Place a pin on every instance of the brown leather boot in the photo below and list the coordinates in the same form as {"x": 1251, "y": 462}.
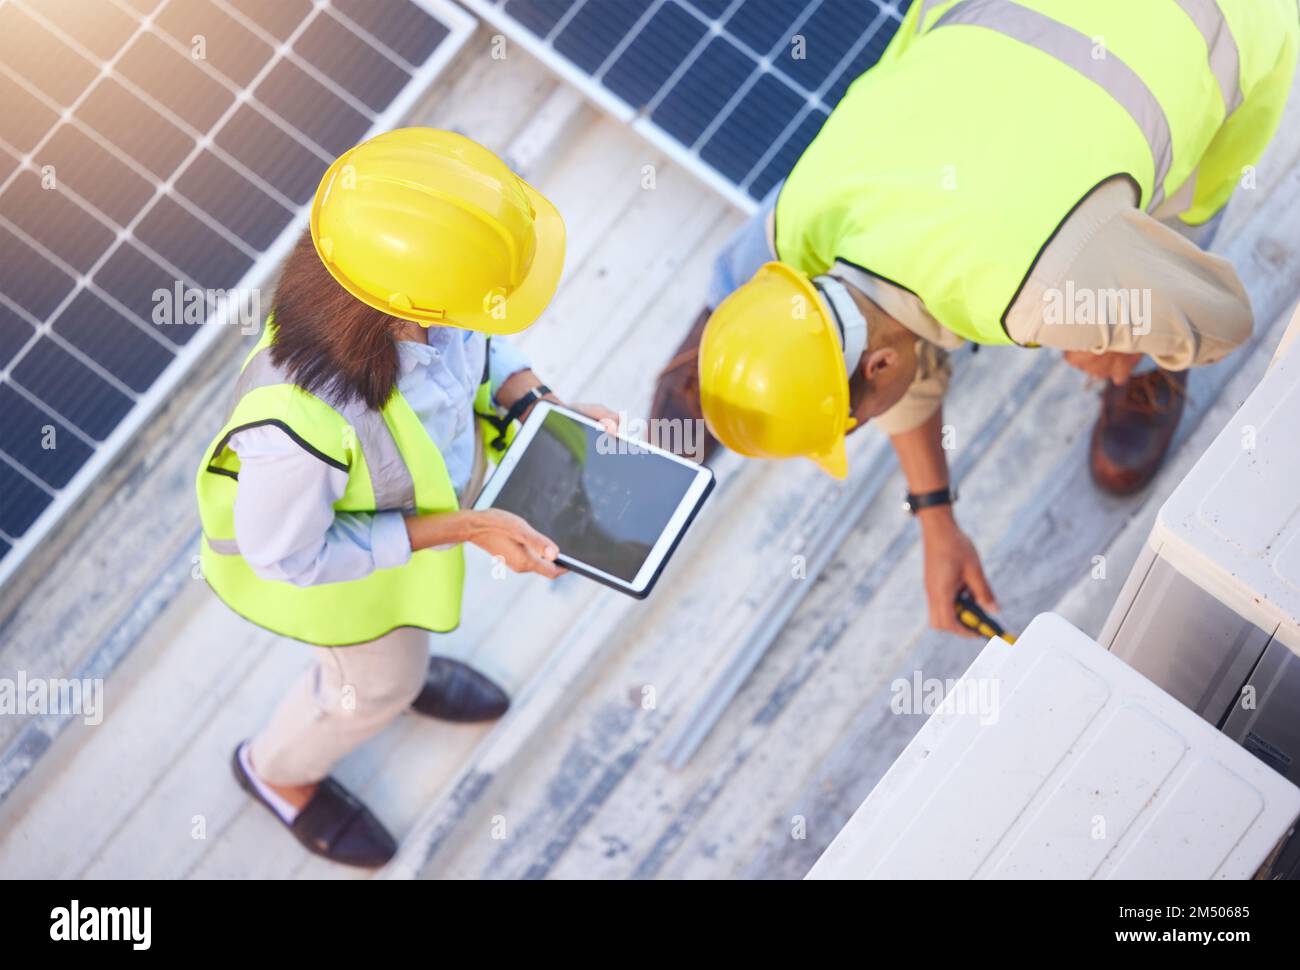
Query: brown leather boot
{"x": 1136, "y": 425}
{"x": 677, "y": 393}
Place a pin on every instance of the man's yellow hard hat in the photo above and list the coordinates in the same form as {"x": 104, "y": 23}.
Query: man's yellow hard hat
{"x": 773, "y": 379}
{"x": 430, "y": 226}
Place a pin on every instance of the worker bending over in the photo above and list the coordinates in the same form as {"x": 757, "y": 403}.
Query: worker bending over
{"x": 336, "y": 498}
{"x": 1041, "y": 173}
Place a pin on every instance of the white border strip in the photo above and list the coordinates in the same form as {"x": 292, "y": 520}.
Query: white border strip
{"x": 461, "y": 25}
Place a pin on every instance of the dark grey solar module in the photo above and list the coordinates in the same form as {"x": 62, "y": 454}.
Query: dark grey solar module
{"x": 38, "y": 441}
{"x": 23, "y": 500}
{"x": 14, "y": 334}
{"x": 399, "y": 25}
{"x": 233, "y": 200}
{"x": 135, "y": 354}
{"x": 663, "y": 43}
{"x": 131, "y": 276}
{"x": 232, "y": 49}
{"x": 740, "y": 85}
{"x": 139, "y": 160}
{"x": 95, "y": 174}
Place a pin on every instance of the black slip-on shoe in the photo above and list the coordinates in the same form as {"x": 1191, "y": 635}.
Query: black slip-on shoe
{"x": 454, "y": 691}
{"x": 334, "y": 824}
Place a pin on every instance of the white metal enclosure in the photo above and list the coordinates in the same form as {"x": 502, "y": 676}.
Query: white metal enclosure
{"x": 1079, "y": 768}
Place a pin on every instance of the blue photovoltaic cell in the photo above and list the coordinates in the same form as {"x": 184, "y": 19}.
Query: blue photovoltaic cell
{"x": 283, "y": 162}
{"x": 294, "y": 95}
{"x": 278, "y": 18}
{"x": 23, "y": 501}
{"x": 343, "y": 57}
{"x": 125, "y": 121}
{"x": 752, "y": 127}
{"x": 829, "y": 34}
{"x": 103, "y": 28}
{"x": 233, "y": 200}
{"x": 539, "y": 16}
{"x": 713, "y": 9}
{"x": 30, "y": 280}
{"x": 55, "y": 221}
{"x": 654, "y": 54}
{"x": 702, "y": 92}
{"x": 14, "y": 334}
{"x": 124, "y": 349}
{"x": 131, "y": 277}
{"x": 44, "y": 60}
{"x": 231, "y": 48}
{"x": 191, "y": 245}
{"x": 762, "y": 24}
{"x": 38, "y": 441}
{"x": 24, "y": 119}
{"x": 91, "y": 235}
{"x": 175, "y": 81}
{"x": 780, "y": 165}
{"x": 399, "y": 25}
{"x": 744, "y": 85}
{"x": 71, "y": 388}
{"x": 95, "y": 174}
{"x": 596, "y": 29}
{"x": 877, "y": 41}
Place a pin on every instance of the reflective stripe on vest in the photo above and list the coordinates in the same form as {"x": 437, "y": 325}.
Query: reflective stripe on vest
{"x": 381, "y": 452}
{"x": 223, "y": 547}
{"x": 390, "y": 479}
{"x": 1225, "y": 63}
{"x": 1075, "y": 50}
{"x": 1225, "y": 56}
{"x": 949, "y": 167}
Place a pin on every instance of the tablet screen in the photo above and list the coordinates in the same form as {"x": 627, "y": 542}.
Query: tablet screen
{"x": 606, "y": 510}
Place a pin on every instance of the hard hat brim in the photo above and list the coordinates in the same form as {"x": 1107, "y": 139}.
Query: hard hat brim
{"x": 530, "y": 299}
{"x": 772, "y": 380}
{"x": 836, "y": 462}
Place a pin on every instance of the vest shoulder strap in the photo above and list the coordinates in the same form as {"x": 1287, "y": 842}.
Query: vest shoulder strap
{"x": 329, "y": 429}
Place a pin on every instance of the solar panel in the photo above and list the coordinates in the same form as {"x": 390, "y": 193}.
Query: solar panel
{"x": 169, "y": 145}
{"x": 734, "y": 88}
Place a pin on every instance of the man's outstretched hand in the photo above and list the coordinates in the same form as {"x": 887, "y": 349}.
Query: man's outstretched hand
{"x": 951, "y": 565}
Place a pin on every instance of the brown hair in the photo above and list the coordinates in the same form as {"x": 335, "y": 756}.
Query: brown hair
{"x": 330, "y": 342}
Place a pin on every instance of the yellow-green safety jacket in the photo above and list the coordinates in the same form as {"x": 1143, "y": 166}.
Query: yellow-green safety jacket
{"x": 392, "y": 464}
{"x": 948, "y": 167}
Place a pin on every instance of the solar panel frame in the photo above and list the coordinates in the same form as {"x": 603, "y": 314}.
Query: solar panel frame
{"x": 713, "y": 14}
{"x": 25, "y": 485}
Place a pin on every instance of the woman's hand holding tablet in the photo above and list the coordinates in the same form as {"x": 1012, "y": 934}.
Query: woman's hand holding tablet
{"x": 616, "y": 508}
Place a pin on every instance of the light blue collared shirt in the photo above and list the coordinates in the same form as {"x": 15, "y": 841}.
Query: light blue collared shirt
{"x": 285, "y": 521}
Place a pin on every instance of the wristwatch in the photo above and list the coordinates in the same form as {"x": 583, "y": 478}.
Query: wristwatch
{"x": 940, "y": 496}
{"x": 522, "y": 404}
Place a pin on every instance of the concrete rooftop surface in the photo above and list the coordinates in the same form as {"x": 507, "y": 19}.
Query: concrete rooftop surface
{"x": 575, "y": 780}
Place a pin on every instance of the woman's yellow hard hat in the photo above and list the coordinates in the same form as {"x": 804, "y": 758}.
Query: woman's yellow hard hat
{"x": 773, "y": 381}
{"x": 430, "y": 226}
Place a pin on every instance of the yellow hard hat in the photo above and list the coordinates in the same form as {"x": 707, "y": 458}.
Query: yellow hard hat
{"x": 773, "y": 379}
{"x": 430, "y": 226}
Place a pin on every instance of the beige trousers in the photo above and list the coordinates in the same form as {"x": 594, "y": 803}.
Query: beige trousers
{"x": 347, "y": 697}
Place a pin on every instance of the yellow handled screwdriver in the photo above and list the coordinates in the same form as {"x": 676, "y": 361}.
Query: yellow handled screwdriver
{"x": 972, "y": 616}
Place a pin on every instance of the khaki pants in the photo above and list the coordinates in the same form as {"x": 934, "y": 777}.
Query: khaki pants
{"x": 347, "y": 697}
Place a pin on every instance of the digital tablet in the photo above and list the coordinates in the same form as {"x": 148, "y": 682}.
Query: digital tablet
{"x": 615, "y": 507}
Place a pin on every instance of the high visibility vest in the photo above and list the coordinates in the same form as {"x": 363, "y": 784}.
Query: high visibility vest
{"x": 392, "y": 464}
{"x": 948, "y": 167}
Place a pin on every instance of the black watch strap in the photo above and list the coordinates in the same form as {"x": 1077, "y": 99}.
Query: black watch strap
{"x": 524, "y": 402}
{"x": 925, "y": 500}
